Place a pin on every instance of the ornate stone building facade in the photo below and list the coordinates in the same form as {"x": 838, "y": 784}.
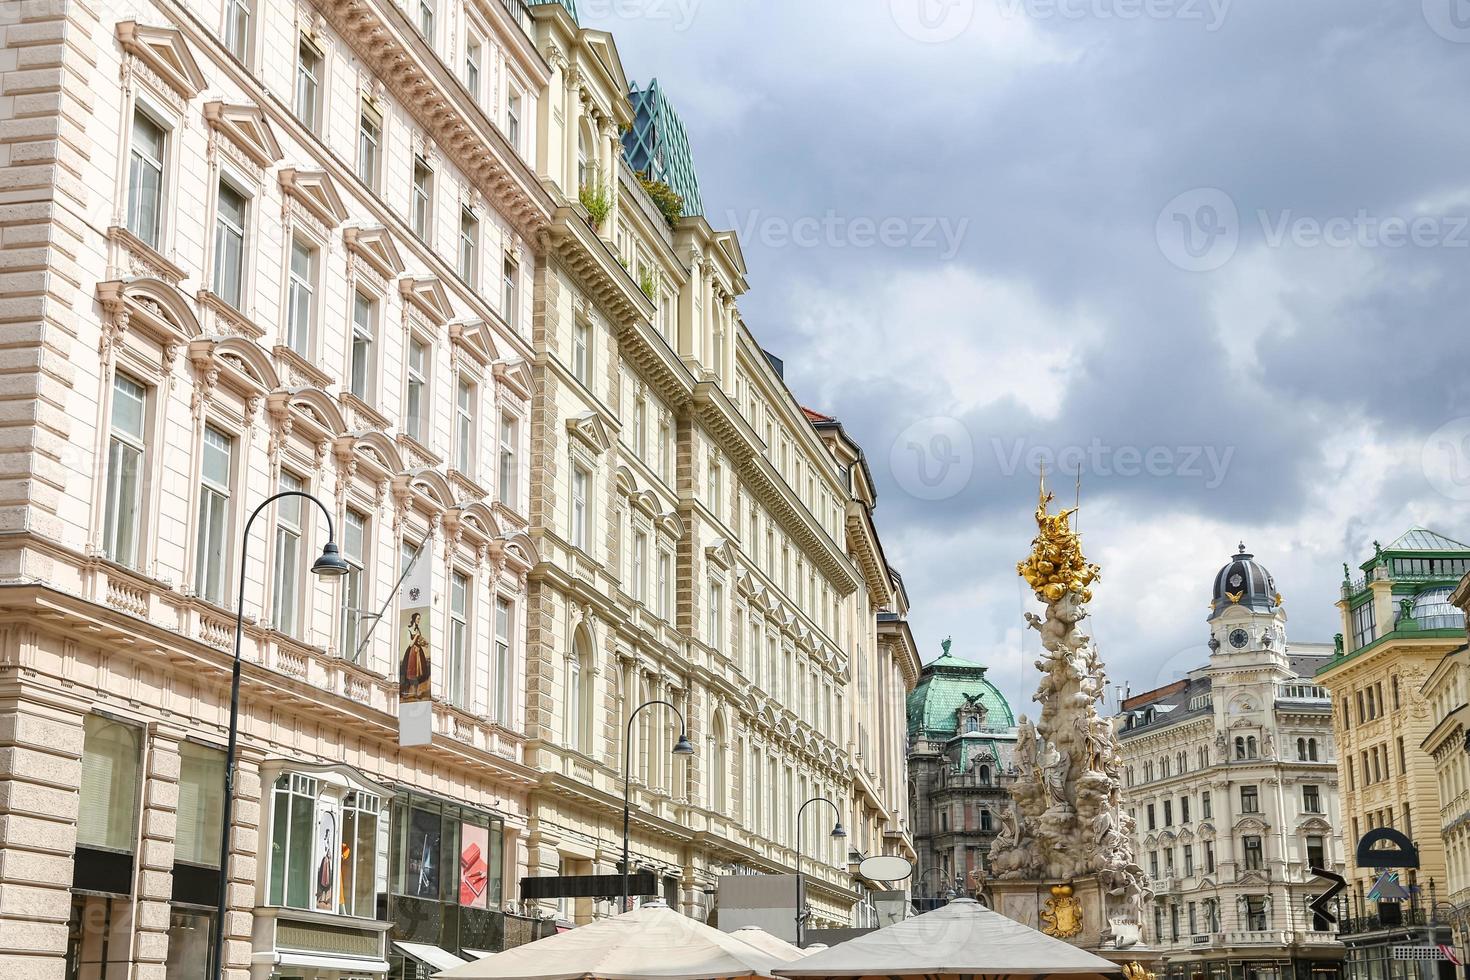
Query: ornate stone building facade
{"x": 962, "y": 736}
{"x": 706, "y": 542}
{"x": 1398, "y": 625}
{"x": 256, "y": 246}
{"x": 1230, "y": 778}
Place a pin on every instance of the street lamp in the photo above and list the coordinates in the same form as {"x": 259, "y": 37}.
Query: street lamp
{"x": 837, "y": 834}
{"x": 681, "y": 747}
{"x": 328, "y": 565}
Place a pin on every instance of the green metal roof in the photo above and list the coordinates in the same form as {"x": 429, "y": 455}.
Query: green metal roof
{"x": 943, "y": 686}
{"x": 658, "y": 146}
{"x": 570, "y": 5}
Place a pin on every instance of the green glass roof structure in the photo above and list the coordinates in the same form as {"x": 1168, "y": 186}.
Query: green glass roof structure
{"x": 944, "y": 685}
{"x": 571, "y": 5}
{"x": 658, "y": 147}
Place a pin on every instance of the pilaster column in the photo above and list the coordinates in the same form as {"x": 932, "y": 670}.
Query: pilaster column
{"x": 156, "y": 851}
{"x": 40, "y": 782}
{"x": 244, "y": 866}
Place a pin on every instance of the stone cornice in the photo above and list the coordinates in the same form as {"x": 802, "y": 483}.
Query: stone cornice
{"x": 593, "y": 266}
{"x": 382, "y": 37}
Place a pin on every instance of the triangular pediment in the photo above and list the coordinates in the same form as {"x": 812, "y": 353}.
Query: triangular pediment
{"x": 165, "y": 51}
{"x": 592, "y": 430}
{"x": 316, "y": 192}
{"x": 474, "y": 338}
{"x": 720, "y": 554}
{"x": 430, "y": 296}
{"x": 245, "y": 126}
{"x": 516, "y": 375}
{"x": 374, "y": 246}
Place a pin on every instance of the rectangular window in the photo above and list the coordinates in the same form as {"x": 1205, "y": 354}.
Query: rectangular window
{"x": 197, "y": 822}
{"x": 666, "y": 585}
{"x": 237, "y": 28}
{"x": 458, "y": 666}
{"x": 638, "y": 572}
{"x": 286, "y": 587}
{"x": 229, "y": 245}
{"x": 1204, "y": 806}
{"x": 472, "y": 67}
{"x": 354, "y": 544}
{"x": 124, "y": 504}
{"x": 1250, "y": 800}
{"x": 502, "y": 665}
{"x": 1152, "y": 823}
{"x": 364, "y": 335}
{"x": 426, "y": 20}
{"x": 640, "y": 428}
{"x": 469, "y": 246}
{"x": 717, "y": 617}
{"x": 1184, "y": 809}
{"x": 145, "y": 179}
{"x": 357, "y": 893}
{"x": 1311, "y": 799}
{"x": 293, "y": 846}
{"x": 714, "y": 489}
{"x": 308, "y": 83}
{"x": 417, "y": 407}
{"x": 301, "y": 298}
{"x": 510, "y": 292}
{"x": 212, "y": 546}
{"x": 421, "y": 206}
{"x": 1316, "y": 852}
{"x": 464, "y": 428}
{"x": 1252, "y": 847}
{"x": 108, "y": 812}
{"x": 513, "y": 120}
{"x": 369, "y": 143}
{"x": 580, "y": 480}
{"x": 1255, "y": 913}
{"x": 506, "y": 472}
{"x": 1168, "y": 813}
{"x": 1209, "y": 857}
{"x": 1365, "y": 630}
{"x": 1188, "y": 860}
{"x": 582, "y": 352}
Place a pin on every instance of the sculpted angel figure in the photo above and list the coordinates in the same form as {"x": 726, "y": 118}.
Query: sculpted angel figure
{"x": 1055, "y": 766}
{"x": 1025, "y": 746}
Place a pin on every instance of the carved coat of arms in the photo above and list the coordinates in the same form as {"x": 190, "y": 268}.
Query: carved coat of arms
{"x": 1062, "y": 914}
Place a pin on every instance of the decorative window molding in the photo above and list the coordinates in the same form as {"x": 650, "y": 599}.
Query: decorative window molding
{"x": 165, "y": 51}
{"x": 428, "y": 296}
{"x": 592, "y": 431}
{"x": 315, "y": 192}
{"x": 516, "y": 376}
{"x": 374, "y": 246}
{"x": 245, "y": 126}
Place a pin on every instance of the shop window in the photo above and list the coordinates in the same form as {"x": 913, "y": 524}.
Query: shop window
{"x": 108, "y": 810}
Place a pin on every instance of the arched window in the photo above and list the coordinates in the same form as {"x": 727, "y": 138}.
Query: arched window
{"x": 579, "y": 696}
{"x": 1301, "y": 749}
{"x": 984, "y": 773}
{"x": 1240, "y": 747}
{"x": 1250, "y": 746}
{"x": 972, "y": 724}
{"x": 1312, "y": 749}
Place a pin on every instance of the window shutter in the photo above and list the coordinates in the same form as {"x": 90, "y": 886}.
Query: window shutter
{"x": 109, "y": 791}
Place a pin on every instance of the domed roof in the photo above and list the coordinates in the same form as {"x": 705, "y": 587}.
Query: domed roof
{"x": 1244, "y": 582}
{"x": 1432, "y": 610}
{"x": 945, "y": 685}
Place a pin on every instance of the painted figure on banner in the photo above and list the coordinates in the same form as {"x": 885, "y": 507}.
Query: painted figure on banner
{"x": 413, "y": 670}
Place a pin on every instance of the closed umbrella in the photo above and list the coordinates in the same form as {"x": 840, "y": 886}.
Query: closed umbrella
{"x": 652, "y": 942}
{"x": 963, "y": 939}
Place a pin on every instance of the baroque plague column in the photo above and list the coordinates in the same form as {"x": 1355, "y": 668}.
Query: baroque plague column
{"x": 1064, "y": 857}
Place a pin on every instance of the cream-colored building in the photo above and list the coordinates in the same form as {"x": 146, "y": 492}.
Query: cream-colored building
{"x": 704, "y": 542}
{"x": 253, "y": 246}
{"x": 1230, "y": 778}
{"x": 1398, "y": 625}
{"x": 1447, "y": 692}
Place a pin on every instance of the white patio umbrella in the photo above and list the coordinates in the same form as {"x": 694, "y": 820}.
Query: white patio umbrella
{"x": 767, "y": 943}
{"x": 963, "y": 939}
{"x": 653, "y": 941}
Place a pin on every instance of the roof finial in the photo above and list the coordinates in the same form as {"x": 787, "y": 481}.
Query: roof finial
{"x": 944, "y": 644}
{"x": 1242, "y": 548}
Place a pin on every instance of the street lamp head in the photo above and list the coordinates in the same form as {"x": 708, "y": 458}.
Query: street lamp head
{"x": 683, "y": 747}
{"x": 330, "y": 564}
{"x": 837, "y": 831}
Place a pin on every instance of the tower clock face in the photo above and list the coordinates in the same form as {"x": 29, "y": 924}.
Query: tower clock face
{"x": 1239, "y": 638}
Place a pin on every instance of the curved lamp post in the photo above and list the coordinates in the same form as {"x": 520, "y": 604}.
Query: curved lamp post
{"x": 329, "y": 565}
{"x": 837, "y": 834}
{"x": 681, "y": 747}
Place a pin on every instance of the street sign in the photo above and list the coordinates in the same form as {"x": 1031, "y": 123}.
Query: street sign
{"x": 1401, "y": 852}
{"x": 1322, "y": 904}
{"x": 587, "y": 886}
{"x": 1388, "y": 889}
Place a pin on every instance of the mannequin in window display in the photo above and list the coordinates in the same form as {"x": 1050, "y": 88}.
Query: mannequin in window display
{"x": 325, "y": 873}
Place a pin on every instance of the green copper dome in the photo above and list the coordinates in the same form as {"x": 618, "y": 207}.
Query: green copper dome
{"x": 943, "y": 688}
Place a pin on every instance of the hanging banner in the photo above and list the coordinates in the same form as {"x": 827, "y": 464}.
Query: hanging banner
{"x": 415, "y": 660}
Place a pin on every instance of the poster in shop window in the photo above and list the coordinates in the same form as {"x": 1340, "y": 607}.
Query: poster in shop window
{"x": 415, "y": 672}
{"x": 474, "y": 871}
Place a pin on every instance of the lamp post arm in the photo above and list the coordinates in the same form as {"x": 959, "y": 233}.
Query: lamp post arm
{"x": 627, "y": 774}
{"x": 227, "y": 816}
{"x": 800, "y": 917}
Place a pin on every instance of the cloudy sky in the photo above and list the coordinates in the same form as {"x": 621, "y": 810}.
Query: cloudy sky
{"x": 1212, "y": 251}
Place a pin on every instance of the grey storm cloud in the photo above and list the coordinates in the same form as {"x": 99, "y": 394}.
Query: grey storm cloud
{"x": 1315, "y": 347}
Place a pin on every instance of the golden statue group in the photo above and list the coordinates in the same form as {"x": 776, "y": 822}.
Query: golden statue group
{"x": 1063, "y": 859}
